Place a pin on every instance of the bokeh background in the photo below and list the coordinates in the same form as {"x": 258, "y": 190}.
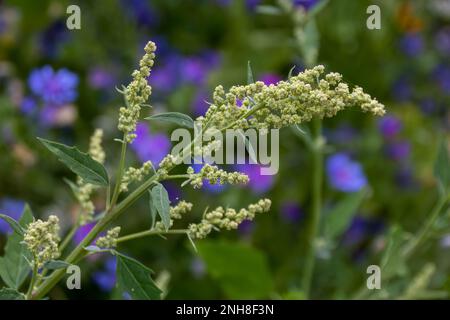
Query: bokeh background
{"x": 60, "y": 84}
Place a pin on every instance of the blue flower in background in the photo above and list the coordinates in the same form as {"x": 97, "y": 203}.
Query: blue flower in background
{"x": 361, "y": 228}
{"x": 198, "y": 267}
{"x": 82, "y": 232}
{"x": 258, "y": 183}
{"x": 389, "y": 126}
{"x": 398, "y": 150}
{"x": 442, "y": 76}
{"x": 141, "y": 11}
{"x": 149, "y": 146}
{"x": 54, "y": 87}
{"x": 213, "y": 188}
{"x": 291, "y": 212}
{"x": 442, "y": 40}
{"x": 402, "y": 89}
{"x": 342, "y": 134}
{"x": 28, "y": 105}
{"x": 12, "y": 208}
{"x": 246, "y": 228}
{"x": 344, "y": 174}
{"x": 305, "y": 4}
{"x": 101, "y": 78}
{"x": 411, "y": 44}
{"x": 106, "y": 279}
{"x": 270, "y": 78}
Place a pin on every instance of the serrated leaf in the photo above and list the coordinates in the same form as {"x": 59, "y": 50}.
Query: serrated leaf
{"x": 14, "y": 266}
{"x": 134, "y": 278}
{"x": 160, "y": 199}
{"x": 240, "y": 270}
{"x": 442, "y": 168}
{"x": 178, "y": 118}
{"x": 13, "y": 224}
{"x": 250, "y": 78}
{"x": 56, "y": 264}
{"x": 11, "y": 294}
{"x": 80, "y": 163}
{"x": 339, "y": 218}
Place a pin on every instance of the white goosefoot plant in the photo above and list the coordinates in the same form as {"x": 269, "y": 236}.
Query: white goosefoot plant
{"x": 35, "y": 244}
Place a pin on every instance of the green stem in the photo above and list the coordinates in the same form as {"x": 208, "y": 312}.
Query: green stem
{"x": 150, "y": 233}
{"x": 314, "y": 220}
{"x": 423, "y": 232}
{"x": 119, "y": 173}
{"x": 79, "y": 251}
{"x": 33, "y": 280}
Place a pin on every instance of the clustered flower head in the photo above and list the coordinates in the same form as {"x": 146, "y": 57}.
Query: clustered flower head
{"x": 85, "y": 190}
{"x": 166, "y": 164}
{"x": 136, "y": 94}
{"x": 296, "y": 100}
{"x": 41, "y": 238}
{"x": 214, "y": 175}
{"x": 110, "y": 240}
{"x": 227, "y": 219}
{"x": 135, "y": 174}
{"x": 176, "y": 213}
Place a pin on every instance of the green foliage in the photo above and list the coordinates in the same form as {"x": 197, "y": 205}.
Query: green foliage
{"x": 160, "y": 201}
{"x": 13, "y": 224}
{"x": 250, "y": 78}
{"x": 56, "y": 264}
{"x": 177, "y": 118}
{"x": 442, "y": 168}
{"x": 14, "y": 265}
{"x": 134, "y": 278}
{"x": 10, "y": 294}
{"x": 80, "y": 163}
{"x": 339, "y": 218}
{"x": 241, "y": 271}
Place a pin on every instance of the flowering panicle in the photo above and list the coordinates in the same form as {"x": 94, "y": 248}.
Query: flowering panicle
{"x": 41, "y": 238}
{"x": 176, "y": 213}
{"x": 166, "y": 165}
{"x": 110, "y": 240}
{"x": 215, "y": 175}
{"x": 135, "y": 174}
{"x": 85, "y": 190}
{"x": 228, "y": 219}
{"x": 296, "y": 100}
{"x": 136, "y": 94}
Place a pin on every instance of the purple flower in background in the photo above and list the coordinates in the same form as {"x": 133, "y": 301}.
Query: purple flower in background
{"x": 442, "y": 40}
{"x": 246, "y": 228}
{"x": 52, "y": 39}
{"x": 428, "y": 105}
{"x": 12, "y": 208}
{"x": 411, "y": 44}
{"x": 270, "y": 78}
{"x": 389, "y": 126}
{"x": 200, "y": 105}
{"x": 398, "y": 150}
{"x": 82, "y": 232}
{"x": 141, "y": 12}
{"x": 344, "y": 174}
{"x": 149, "y": 146}
{"x": 442, "y": 76}
{"x": 198, "y": 268}
{"x": 305, "y": 4}
{"x": 404, "y": 177}
{"x": 258, "y": 183}
{"x": 28, "y": 105}
{"x": 194, "y": 70}
{"x": 106, "y": 279}
{"x": 252, "y": 4}
{"x": 213, "y": 188}
{"x": 343, "y": 134}
{"x": 174, "y": 191}
{"x": 101, "y": 78}
{"x": 362, "y": 228}
{"x": 402, "y": 90}
{"x": 54, "y": 87}
{"x": 291, "y": 212}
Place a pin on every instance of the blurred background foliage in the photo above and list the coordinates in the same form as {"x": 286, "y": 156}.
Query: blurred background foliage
{"x": 205, "y": 43}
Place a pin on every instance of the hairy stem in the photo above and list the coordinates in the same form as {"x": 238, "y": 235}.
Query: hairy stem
{"x": 314, "y": 219}
{"x": 147, "y": 233}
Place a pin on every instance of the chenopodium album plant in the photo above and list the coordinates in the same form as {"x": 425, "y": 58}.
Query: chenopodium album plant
{"x": 36, "y": 246}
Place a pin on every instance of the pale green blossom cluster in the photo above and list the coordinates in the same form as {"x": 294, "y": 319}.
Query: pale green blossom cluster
{"x": 215, "y": 175}
{"x": 296, "y": 100}
{"x": 110, "y": 239}
{"x": 176, "y": 213}
{"x": 136, "y": 94}
{"x": 41, "y": 238}
{"x": 166, "y": 164}
{"x": 227, "y": 219}
{"x": 85, "y": 190}
{"x": 135, "y": 174}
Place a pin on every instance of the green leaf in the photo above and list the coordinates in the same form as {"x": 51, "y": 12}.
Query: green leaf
{"x": 317, "y": 8}
{"x": 442, "y": 168}
{"x": 160, "y": 199}
{"x": 178, "y": 118}
{"x": 134, "y": 278}
{"x": 291, "y": 72}
{"x": 339, "y": 218}
{"x": 308, "y": 40}
{"x": 393, "y": 261}
{"x": 14, "y": 266}
{"x": 56, "y": 264}
{"x": 73, "y": 187}
{"x": 241, "y": 271}
{"x": 13, "y": 224}
{"x": 269, "y": 10}
{"x": 250, "y": 78}
{"x": 80, "y": 163}
{"x": 153, "y": 211}
{"x": 11, "y": 294}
